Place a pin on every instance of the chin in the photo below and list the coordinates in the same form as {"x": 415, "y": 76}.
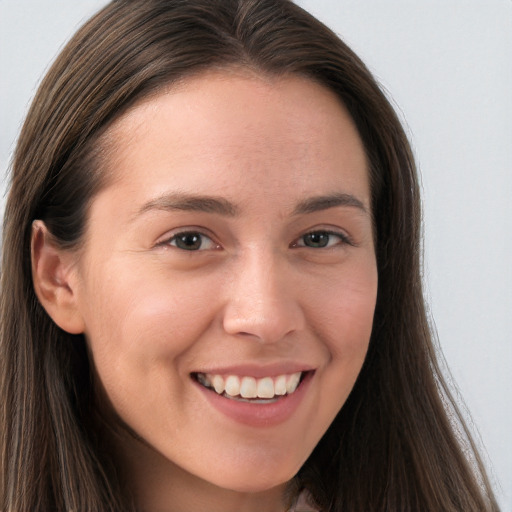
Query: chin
{"x": 255, "y": 481}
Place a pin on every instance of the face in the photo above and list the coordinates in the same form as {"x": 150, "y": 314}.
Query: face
{"x": 228, "y": 279}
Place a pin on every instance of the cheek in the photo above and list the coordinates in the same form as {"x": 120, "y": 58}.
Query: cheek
{"x": 340, "y": 315}
{"x": 137, "y": 304}
{"x": 138, "y": 325}
{"x": 344, "y": 311}
{"x": 344, "y": 323}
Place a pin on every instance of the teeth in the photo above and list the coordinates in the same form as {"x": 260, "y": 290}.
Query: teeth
{"x": 292, "y": 382}
{"x": 204, "y": 380}
{"x": 280, "y": 385}
{"x": 266, "y": 388}
{"x": 233, "y": 385}
{"x": 249, "y": 387}
{"x": 218, "y": 384}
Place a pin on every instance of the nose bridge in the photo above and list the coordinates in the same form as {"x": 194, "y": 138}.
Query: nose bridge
{"x": 262, "y": 301}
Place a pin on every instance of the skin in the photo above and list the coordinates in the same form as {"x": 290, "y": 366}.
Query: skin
{"x": 255, "y": 293}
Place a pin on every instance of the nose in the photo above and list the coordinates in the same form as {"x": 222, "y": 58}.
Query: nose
{"x": 263, "y": 300}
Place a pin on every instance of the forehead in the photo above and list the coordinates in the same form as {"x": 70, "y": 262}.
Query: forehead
{"x": 219, "y": 129}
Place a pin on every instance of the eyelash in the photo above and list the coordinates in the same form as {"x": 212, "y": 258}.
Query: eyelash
{"x": 199, "y": 238}
{"x": 174, "y": 240}
{"x": 342, "y": 239}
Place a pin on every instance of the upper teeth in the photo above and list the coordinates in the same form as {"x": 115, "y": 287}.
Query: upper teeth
{"x": 249, "y": 387}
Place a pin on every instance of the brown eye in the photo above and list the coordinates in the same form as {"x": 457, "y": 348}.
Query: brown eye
{"x": 321, "y": 239}
{"x": 191, "y": 241}
{"x": 318, "y": 239}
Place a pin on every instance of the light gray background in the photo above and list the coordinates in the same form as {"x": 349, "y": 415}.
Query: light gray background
{"x": 448, "y": 67}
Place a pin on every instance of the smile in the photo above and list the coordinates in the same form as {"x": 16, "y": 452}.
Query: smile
{"x": 250, "y": 389}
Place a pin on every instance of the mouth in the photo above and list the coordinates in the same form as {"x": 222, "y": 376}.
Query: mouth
{"x": 265, "y": 390}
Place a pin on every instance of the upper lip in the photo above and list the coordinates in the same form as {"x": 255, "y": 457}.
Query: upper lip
{"x": 258, "y": 371}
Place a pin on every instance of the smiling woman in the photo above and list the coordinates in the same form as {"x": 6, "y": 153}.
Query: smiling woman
{"x": 211, "y": 295}
{"x": 237, "y": 282}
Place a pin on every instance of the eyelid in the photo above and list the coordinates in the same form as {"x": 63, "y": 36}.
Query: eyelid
{"x": 344, "y": 239}
{"x": 169, "y": 237}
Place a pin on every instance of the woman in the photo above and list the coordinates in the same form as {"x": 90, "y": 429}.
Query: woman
{"x": 219, "y": 304}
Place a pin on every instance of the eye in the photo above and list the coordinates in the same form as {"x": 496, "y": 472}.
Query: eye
{"x": 321, "y": 239}
{"x": 191, "y": 241}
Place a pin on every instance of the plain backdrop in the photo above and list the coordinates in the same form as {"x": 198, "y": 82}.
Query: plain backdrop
{"x": 447, "y": 68}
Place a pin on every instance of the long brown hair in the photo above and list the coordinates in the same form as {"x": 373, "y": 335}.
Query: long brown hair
{"x": 393, "y": 446}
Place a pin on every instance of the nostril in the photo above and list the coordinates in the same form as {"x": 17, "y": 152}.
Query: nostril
{"x": 268, "y": 321}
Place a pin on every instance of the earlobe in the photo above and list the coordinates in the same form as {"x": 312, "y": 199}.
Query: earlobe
{"x": 54, "y": 280}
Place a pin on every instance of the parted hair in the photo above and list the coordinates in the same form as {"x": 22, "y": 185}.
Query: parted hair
{"x": 398, "y": 444}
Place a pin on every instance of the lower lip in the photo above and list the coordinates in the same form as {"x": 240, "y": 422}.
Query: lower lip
{"x": 257, "y": 414}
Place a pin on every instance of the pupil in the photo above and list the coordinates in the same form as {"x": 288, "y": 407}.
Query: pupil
{"x": 317, "y": 239}
{"x": 189, "y": 241}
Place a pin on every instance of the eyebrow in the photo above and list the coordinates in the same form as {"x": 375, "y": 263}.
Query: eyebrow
{"x": 315, "y": 204}
{"x": 212, "y": 204}
{"x": 193, "y": 203}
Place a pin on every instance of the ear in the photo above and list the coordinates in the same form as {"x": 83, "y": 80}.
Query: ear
{"x": 55, "y": 280}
